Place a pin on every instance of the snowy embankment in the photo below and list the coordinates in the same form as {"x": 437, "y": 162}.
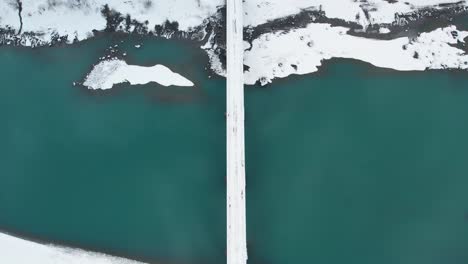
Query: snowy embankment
{"x": 302, "y": 49}
{"x": 18, "y": 251}
{"x": 273, "y": 56}
{"x": 114, "y": 71}
{"x": 76, "y": 20}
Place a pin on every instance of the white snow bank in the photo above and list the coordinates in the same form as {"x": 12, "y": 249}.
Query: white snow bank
{"x": 9, "y": 14}
{"x": 379, "y": 11}
{"x": 109, "y": 72}
{"x": 78, "y": 19}
{"x": 301, "y": 51}
{"x": 72, "y": 18}
{"x": 18, "y": 251}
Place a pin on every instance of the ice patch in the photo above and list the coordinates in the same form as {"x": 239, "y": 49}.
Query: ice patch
{"x": 109, "y": 72}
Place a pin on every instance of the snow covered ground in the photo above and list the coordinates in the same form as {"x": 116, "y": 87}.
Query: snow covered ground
{"x": 80, "y": 18}
{"x": 77, "y": 19}
{"x": 273, "y": 56}
{"x": 114, "y": 71}
{"x": 9, "y": 14}
{"x": 328, "y": 34}
{"x": 378, "y": 11}
{"x": 18, "y": 251}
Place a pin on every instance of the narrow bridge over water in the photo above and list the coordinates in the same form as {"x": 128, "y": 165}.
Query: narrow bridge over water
{"x": 236, "y": 217}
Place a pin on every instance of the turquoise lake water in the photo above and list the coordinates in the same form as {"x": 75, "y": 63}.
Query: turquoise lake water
{"x": 138, "y": 172}
{"x": 350, "y": 165}
{"x": 359, "y": 165}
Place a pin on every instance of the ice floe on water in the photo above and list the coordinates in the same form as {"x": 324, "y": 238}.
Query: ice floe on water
{"x": 114, "y": 71}
{"x": 301, "y": 51}
{"x": 14, "y": 250}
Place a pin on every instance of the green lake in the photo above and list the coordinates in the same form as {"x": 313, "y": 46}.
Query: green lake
{"x": 352, "y": 165}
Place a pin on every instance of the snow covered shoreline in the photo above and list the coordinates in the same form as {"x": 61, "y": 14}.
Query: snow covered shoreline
{"x": 349, "y": 27}
{"x": 44, "y": 22}
{"x": 19, "y": 251}
{"x": 297, "y": 39}
{"x": 271, "y": 56}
